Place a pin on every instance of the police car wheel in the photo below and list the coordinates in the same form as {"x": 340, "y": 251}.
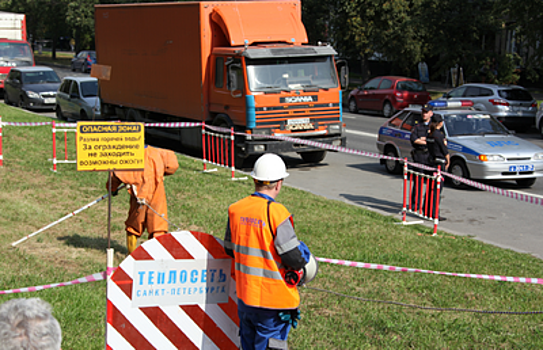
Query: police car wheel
{"x": 526, "y": 182}
{"x": 353, "y": 108}
{"x": 458, "y": 168}
{"x": 392, "y": 166}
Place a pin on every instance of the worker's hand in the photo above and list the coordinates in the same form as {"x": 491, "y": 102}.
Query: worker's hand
{"x": 290, "y": 316}
{"x": 114, "y": 193}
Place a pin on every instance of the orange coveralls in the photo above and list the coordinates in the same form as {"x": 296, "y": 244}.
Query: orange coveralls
{"x": 149, "y": 185}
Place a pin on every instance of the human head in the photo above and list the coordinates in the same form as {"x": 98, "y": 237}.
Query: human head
{"x": 269, "y": 171}
{"x": 427, "y": 112}
{"x": 28, "y": 324}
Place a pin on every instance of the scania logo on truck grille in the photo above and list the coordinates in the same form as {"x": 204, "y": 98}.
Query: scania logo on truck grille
{"x": 297, "y": 99}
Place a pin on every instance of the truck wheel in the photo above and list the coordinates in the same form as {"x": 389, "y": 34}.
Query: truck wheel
{"x": 6, "y": 98}
{"x": 526, "y": 182}
{"x": 83, "y": 115}
{"x": 133, "y": 115}
{"x": 458, "y": 168}
{"x": 313, "y": 156}
{"x": 392, "y": 166}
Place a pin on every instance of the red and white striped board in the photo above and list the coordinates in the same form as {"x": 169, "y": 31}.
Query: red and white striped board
{"x": 174, "y": 292}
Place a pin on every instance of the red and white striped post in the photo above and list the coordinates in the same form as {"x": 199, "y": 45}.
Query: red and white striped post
{"x": 404, "y": 208}
{"x": 436, "y": 219}
{"x": 232, "y": 151}
{"x": 204, "y": 144}
{"x": 54, "y": 147}
{"x": 1, "y": 152}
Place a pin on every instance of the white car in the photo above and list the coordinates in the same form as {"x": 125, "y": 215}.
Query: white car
{"x": 77, "y": 99}
{"x": 481, "y": 148}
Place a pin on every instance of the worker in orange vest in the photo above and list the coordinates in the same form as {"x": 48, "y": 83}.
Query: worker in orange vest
{"x": 268, "y": 256}
{"x": 146, "y": 186}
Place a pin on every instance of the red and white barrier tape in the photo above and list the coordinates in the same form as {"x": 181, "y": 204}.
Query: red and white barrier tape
{"x": 492, "y": 189}
{"x": 90, "y": 278}
{"x": 25, "y": 123}
{"x": 408, "y": 269}
{"x": 174, "y": 125}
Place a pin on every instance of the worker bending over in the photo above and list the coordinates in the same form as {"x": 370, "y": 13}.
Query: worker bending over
{"x": 260, "y": 237}
{"x": 146, "y": 186}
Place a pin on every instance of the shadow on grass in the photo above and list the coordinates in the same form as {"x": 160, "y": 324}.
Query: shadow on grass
{"x": 97, "y": 243}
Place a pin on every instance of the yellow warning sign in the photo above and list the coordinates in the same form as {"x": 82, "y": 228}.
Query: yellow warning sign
{"x": 103, "y": 146}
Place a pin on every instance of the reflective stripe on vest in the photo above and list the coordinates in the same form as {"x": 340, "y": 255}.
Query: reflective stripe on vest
{"x": 259, "y": 272}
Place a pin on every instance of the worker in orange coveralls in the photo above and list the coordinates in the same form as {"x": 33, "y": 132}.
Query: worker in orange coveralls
{"x": 148, "y": 185}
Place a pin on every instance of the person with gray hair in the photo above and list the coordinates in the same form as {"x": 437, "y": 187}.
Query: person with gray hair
{"x": 27, "y": 324}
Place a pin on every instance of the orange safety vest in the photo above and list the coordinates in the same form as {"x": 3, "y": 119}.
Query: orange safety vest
{"x": 259, "y": 271}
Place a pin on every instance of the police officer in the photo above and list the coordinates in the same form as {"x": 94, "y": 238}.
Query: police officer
{"x": 439, "y": 154}
{"x": 420, "y": 152}
{"x": 419, "y": 135}
{"x": 260, "y": 237}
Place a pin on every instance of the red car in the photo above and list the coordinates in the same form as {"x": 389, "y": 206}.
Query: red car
{"x": 387, "y": 95}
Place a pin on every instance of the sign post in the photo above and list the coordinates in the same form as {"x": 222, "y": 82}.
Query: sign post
{"x": 106, "y": 146}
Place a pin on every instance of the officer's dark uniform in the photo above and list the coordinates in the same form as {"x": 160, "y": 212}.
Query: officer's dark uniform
{"x": 420, "y": 155}
{"x": 438, "y": 155}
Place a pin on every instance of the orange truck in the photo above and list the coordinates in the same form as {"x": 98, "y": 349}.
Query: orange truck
{"x": 239, "y": 64}
{"x": 15, "y": 51}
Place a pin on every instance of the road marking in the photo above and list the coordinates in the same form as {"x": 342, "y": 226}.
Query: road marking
{"x": 361, "y": 133}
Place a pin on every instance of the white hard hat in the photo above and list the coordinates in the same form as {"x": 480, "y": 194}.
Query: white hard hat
{"x": 270, "y": 168}
{"x": 310, "y": 270}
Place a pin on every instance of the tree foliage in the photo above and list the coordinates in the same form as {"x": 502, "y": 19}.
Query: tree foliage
{"x": 400, "y": 32}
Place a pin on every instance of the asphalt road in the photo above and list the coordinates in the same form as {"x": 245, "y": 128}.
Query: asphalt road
{"x": 363, "y": 181}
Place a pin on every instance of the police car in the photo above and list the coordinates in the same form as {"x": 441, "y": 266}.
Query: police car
{"x": 481, "y": 148}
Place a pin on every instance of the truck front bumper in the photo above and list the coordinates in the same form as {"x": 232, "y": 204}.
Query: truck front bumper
{"x": 259, "y": 146}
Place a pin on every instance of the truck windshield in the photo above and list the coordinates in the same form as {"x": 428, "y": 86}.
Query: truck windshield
{"x": 292, "y": 73}
{"x": 15, "y": 55}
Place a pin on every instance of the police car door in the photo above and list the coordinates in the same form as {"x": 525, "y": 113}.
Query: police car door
{"x": 408, "y": 125}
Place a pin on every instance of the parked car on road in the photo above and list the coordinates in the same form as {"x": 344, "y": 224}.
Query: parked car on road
{"x": 77, "y": 99}
{"x": 31, "y": 87}
{"x": 479, "y": 145}
{"x": 83, "y": 61}
{"x": 512, "y": 105}
{"x": 387, "y": 95}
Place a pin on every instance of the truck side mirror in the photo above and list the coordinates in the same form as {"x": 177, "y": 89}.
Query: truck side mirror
{"x": 343, "y": 74}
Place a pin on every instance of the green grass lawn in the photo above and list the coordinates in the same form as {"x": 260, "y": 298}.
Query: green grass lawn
{"x": 32, "y": 196}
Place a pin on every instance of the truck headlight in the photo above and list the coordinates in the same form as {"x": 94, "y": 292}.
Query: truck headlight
{"x": 32, "y": 94}
{"x": 538, "y": 156}
{"x": 491, "y": 158}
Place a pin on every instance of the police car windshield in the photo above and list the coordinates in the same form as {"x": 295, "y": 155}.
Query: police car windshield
{"x": 291, "y": 73}
{"x": 473, "y": 124}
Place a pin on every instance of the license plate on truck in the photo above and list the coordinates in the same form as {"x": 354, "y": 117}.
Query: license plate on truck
{"x": 298, "y": 121}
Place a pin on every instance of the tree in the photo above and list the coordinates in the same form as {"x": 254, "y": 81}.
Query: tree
{"x": 525, "y": 18}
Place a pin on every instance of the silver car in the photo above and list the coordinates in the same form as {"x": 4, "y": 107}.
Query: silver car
{"x": 480, "y": 146}
{"x": 511, "y": 104}
{"x": 77, "y": 99}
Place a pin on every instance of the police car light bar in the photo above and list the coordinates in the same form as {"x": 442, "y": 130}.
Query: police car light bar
{"x": 451, "y": 104}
